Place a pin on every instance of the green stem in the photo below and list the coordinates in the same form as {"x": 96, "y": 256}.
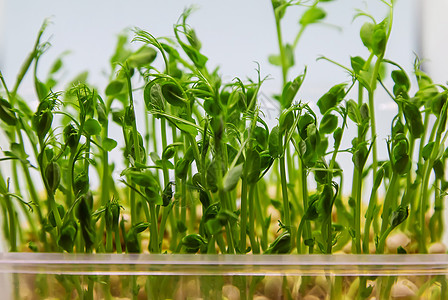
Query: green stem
{"x": 12, "y": 224}
{"x": 385, "y": 226}
{"x": 154, "y": 236}
{"x": 307, "y": 229}
{"x": 368, "y": 222}
{"x": 243, "y": 222}
{"x": 372, "y": 114}
{"x": 282, "y": 51}
{"x": 253, "y": 241}
{"x": 286, "y": 213}
{"x": 109, "y": 240}
{"x": 118, "y": 240}
{"x": 261, "y": 220}
{"x": 358, "y": 208}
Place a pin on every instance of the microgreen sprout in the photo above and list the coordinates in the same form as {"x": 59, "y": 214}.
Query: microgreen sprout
{"x": 206, "y": 174}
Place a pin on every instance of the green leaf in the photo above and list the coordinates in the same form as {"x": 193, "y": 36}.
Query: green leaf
{"x": 427, "y": 150}
{"x": 186, "y": 127}
{"x": 181, "y": 168}
{"x": 399, "y": 216}
{"x": 173, "y": 94}
{"x": 66, "y": 239}
{"x": 378, "y": 179}
{"x": 400, "y": 78}
{"x": 367, "y": 34}
{"x": 289, "y": 55}
{"x": 357, "y": 64}
{"x": 360, "y": 156}
{"x": 353, "y": 112}
{"x": 153, "y": 97}
{"x": 57, "y": 64}
{"x": 213, "y": 226}
{"x": 252, "y": 166}
{"x": 281, "y": 245}
{"x": 365, "y": 77}
{"x": 169, "y": 152}
{"x": 330, "y": 99}
{"x": 232, "y": 177}
{"x": 41, "y": 89}
{"x": 181, "y": 227}
{"x": 115, "y": 87}
{"x": 212, "y": 175}
{"x": 193, "y": 242}
{"x": 204, "y": 198}
{"x": 142, "y": 57}
{"x": 413, "y": 119}
{"x": 155, "y": 157}
{"x": 42, "y": 123}
{"x": 81, "y": 185}
{"x": 196, "y": 57}
{"x": 286, "y": 120}
{"x": 92, "y": 127}
{"x": 212, "y": 108}
{"x": 279, "y": 8}
{"x": 303, "y": 124}
{"x": 328, "y": 124}
{"x": 18, "y": 151}
{"x": 364, "y": 111}
{"x": 101, "y": 112}
{"x": 313, "y": 15}
{"x": 109, "y": 144}
{"x": 400, "y": 149}
{"x": 53, "y": 176}
{"x": 379, "y": 39}
{"x": 438, "y": 102}
{"x": 402, "y": 165}
{"x": 144, "y": 179}
{"x": 275, "y": 59}
{"x": 275, "y": 146}
{"x": 290, "y": 90}
{"x": 439, "y": 169}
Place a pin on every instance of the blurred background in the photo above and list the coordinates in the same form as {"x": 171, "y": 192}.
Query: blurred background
{"x": 235, "y": 35}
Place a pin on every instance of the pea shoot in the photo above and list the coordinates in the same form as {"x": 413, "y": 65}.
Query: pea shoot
{"x": 207, "y": 175}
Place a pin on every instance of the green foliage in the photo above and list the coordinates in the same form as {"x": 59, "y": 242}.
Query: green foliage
{"x": 200, "y": 168}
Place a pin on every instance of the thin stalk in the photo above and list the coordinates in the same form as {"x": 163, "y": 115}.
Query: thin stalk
{"x": 225, "y": 202}
{"x": 166, "y": 210}
{"x": 183, "y": 202}
{"x": 12, "y": 223}
{"x": 406, "y": 198}
{"x": 32, "y": 189}
{"x": 253, "y": 241}
{"x": 441, "y": 120}
{"x": 307, "y": 229}
{"x": 260, "y": 218}
{"x": 154, "y": 244}
{"x": 282, "y": 50}
{"x": 243, "y": 223}
{"x": 371, "y": 93}
{"x": 166, "y": 213}
{"x": 118, "y": 240}
{"x": 286, "y": 213}
{"x": 368, "y": 222}
{"x": 436, "y": 220}
{"x": 109, "y": 240}
{"x": 50, "y": 195}
{"x": 358, "y": 208}
{"x": 385, "y": 226}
